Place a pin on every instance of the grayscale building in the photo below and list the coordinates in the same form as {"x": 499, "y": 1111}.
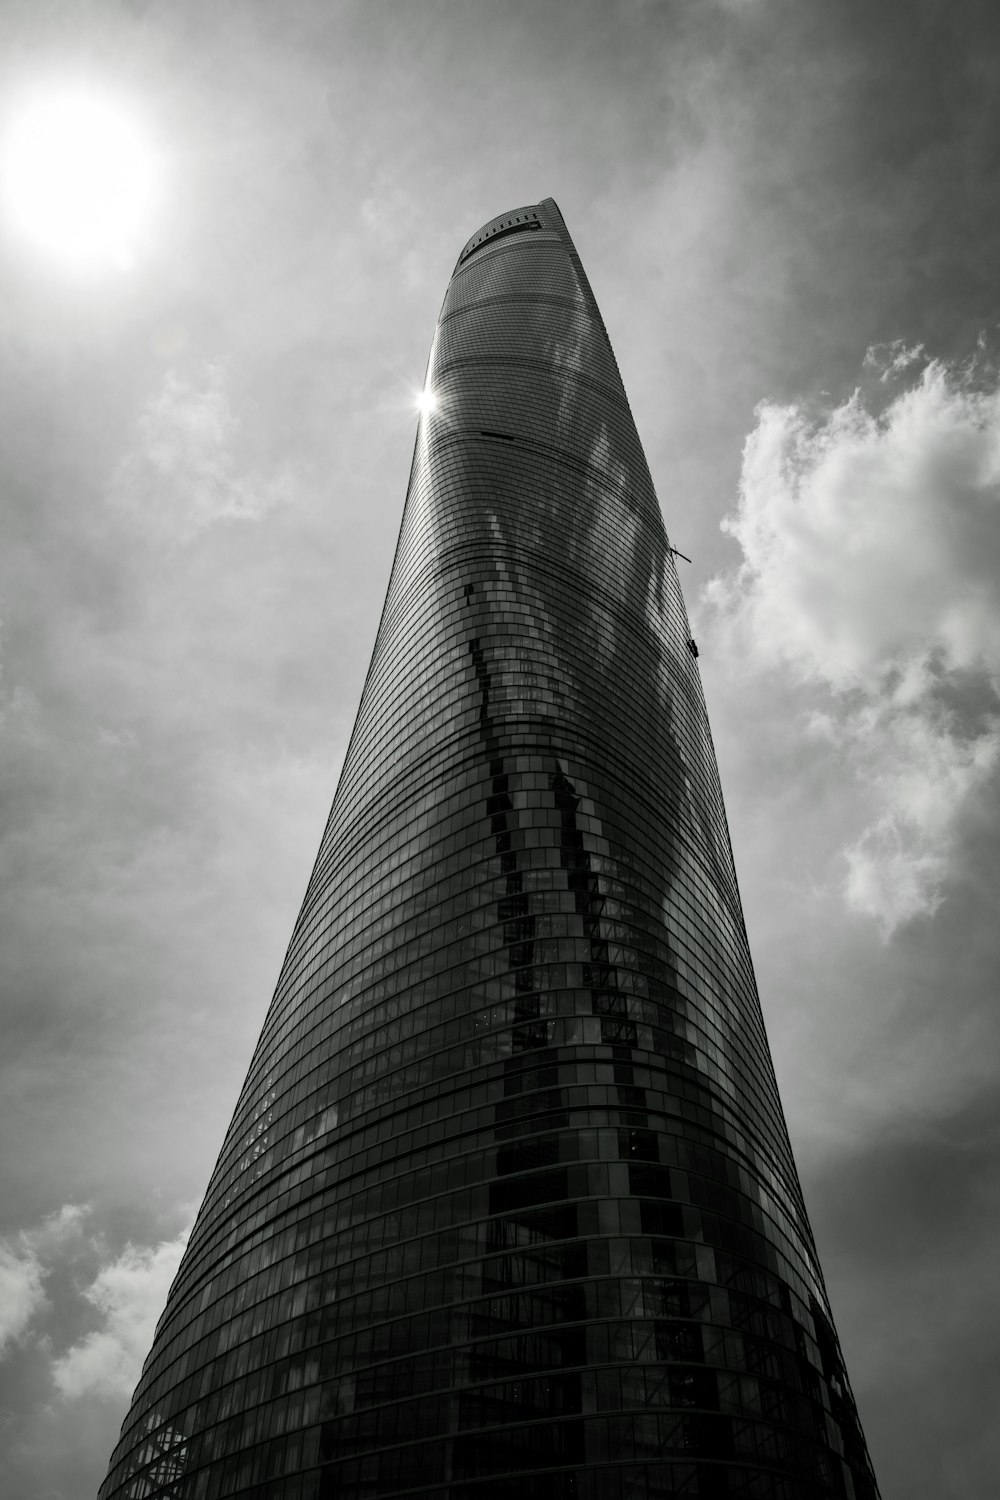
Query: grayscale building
{"x": 507, "y": 1207}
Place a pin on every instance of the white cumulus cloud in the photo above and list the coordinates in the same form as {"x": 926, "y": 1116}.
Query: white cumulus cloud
{"x": 870, "y": 535}
{"x": 129, "y": 1293}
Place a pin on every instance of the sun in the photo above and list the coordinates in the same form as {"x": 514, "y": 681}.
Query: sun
{"x": 78, "y": 178}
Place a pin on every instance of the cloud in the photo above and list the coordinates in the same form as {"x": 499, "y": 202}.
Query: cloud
{"x": 891, "y": 359}
{"x": 62, "y": 1233}
{"x": 870, "y": 534}
{"x": 129, "y": 1293}
{"x": 183, "y": 475}
{"x": 24, "y": 1265}
{"x": 21, "y": 1292}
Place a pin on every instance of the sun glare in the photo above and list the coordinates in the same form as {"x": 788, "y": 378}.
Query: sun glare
{"x": 426, "y": 400}
{"x": 78, "y": 178}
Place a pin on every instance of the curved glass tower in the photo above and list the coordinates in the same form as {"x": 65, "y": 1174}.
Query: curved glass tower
{"x": 507, "y": 1206}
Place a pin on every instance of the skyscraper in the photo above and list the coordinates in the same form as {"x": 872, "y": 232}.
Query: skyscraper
{"x": 507, "y": 1206}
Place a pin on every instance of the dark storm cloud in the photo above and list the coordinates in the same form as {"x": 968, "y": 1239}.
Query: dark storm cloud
{"x": 203, "y": 466}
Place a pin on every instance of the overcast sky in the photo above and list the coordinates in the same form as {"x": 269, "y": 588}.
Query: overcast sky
{"x": 788, "y": 212}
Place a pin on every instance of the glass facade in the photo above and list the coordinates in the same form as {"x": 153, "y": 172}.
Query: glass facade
{"x": 507, "y": 1206}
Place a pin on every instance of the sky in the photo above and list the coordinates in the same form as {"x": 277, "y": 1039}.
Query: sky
{"x": 787, "y": 211}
